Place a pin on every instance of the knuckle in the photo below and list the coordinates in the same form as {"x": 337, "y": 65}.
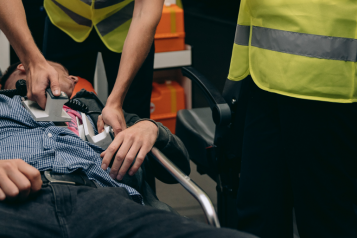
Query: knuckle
{"x": 25, "y": 186}
{"x": 119, "y": 156}
{"x": 29, "y": 94}
{"x": 35, "y": 91}
{"x": 20, "y": 161}
{"x": 111, "y": 149}
{"x": 130, "y": 158}
{"x": 115, "y": 168}
{"x": 13, "y": 192}
{"x": 134, "y": 169}
{"x": 35, "y": 175}
{"x": 7, "y": 165}
{"x": 140, "y": 159}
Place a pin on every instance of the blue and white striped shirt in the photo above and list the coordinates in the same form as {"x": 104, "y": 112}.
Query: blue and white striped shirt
{"x": 47, "y": 147}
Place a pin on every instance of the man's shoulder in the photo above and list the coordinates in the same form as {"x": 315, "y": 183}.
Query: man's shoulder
{"x": 9, "y": 105}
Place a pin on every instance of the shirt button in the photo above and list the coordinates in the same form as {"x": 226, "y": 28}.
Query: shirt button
{"x": 49, "y": 135}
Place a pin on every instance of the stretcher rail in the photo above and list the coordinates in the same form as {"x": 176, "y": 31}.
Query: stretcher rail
{"x": 190, "y": 186}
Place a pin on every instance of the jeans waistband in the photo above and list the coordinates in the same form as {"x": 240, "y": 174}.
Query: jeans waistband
{"x": 77, "y": 178}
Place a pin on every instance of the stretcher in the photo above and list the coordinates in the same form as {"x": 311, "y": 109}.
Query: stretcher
{"x": 213, "y": 137}
{"x": 104, "y": 139}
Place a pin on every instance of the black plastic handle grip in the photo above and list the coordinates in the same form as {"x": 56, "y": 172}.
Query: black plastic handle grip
{"x": 220, "y": 110}
{"x": 211, "y": 93}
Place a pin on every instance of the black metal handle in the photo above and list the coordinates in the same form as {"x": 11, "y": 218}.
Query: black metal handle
{"x": 221, "y": 113}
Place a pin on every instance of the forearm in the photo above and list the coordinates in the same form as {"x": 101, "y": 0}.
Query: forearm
{"x": 136, "y": 47}
{"x": 13, "y": 23}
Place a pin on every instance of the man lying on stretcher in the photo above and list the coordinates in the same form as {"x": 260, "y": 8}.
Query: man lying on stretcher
{"x": 33, "y": 207}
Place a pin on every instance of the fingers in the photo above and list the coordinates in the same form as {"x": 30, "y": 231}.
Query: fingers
{"x": 128, "y": 160}
{"x": 117, "y": 128}
{"x": 110, "y": 152}
{"x": 8, "y": 187}
{"x": 29, "y": 88}
{"x": 140, "y": 159}
{"x": 100, "y": 124}
{"x": 38, "y": 77}
{"x": 2, "y": 195}
{"x": 54, "y": 83}
{"x": 39, "y": 97}
{"x": 22, "y": 184}
{"x": 32, "y": 174}
{"x": 119, "y": 158}
{"x": 18, "y": 179}
{"x": 114, "y": 117}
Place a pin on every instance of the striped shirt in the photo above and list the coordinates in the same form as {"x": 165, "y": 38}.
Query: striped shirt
{"x": 47, "y": 147}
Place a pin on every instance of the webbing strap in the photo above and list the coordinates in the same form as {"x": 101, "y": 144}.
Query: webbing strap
{"x": 117, "y": 19}
{"x": 74, "y": 16}
{"x": 316, "y": 46}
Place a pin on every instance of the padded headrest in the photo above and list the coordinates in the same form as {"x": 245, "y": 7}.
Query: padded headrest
{"x": 83, "y": 83}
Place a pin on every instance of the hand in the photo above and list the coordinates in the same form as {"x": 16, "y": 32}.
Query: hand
{"x": 134, "y": 141}
{"x": 113, "y": 117}
{"x": 38, "y": 77}
{"x": 18, "y": 179}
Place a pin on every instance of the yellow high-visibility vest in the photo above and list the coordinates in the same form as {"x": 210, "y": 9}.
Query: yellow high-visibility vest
{"x": 110, "y": 18}
{"x": 299, "y": 48}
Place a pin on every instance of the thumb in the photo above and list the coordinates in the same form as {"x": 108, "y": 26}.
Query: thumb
{"x": 54, "y": 83}
{"x": 100, "y": 124}
{"x": 117, "y": 128}
{"x": 121, "y": 124}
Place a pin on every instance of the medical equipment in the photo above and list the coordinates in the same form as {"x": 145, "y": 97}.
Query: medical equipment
{"x": 103, "y": 139}
{"x": 20, "y": 89}
{"x": 53, "y": 111}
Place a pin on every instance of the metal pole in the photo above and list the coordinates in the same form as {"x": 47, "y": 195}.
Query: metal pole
{"x": 190, "y": 186}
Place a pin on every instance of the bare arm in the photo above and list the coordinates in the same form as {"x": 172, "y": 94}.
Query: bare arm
{"x": 39, "y": 72}
{"x": 137, "y": 45}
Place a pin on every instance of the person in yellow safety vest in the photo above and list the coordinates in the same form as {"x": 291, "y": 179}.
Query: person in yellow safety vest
{"x": 298, "y": 61}
{"x": 123, "y": 31}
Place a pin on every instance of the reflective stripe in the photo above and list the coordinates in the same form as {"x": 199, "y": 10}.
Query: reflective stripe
{"x": 117, "y": 19}
{"x": 74, "y": 16}
{"x": 89, "y": 2}
{"x": 242, "y": 35}
{"x": 317, "y": 46}
{"x": 98, "y": 4}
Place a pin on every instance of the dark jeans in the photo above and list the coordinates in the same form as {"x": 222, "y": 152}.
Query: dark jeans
{"x": 302, "y": 154}
{"x": 78, "y": 211}
{"x": 80, "y": 60}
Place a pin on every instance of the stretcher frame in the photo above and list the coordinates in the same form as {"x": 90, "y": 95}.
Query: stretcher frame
{"x": 190, "y": 186}
{"x": 203, "y": 199}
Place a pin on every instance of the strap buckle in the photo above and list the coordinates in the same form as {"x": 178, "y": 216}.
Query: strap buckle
{"x": 53, "y": 180}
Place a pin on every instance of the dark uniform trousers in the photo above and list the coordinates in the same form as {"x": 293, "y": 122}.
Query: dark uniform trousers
{"x": 80, "y": 60}
{"x": 302, "y": 154}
